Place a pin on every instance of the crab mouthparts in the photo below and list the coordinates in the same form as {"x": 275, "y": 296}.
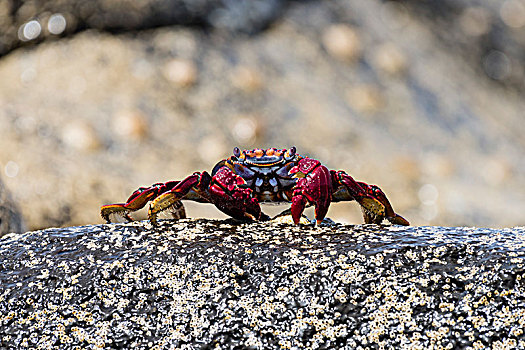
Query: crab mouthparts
{"x": 298, "y": 175}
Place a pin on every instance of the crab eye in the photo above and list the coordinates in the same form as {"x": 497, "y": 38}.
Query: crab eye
{"x": 290, "y": 153}
{"x": 237, "y": 152}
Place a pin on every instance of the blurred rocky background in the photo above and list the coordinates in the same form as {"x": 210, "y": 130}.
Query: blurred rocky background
{"x": 424, "y": 98}
{"x": 10, "y": 216}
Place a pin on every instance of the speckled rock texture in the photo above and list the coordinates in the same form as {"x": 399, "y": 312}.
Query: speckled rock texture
{"x": 203, "y": 284}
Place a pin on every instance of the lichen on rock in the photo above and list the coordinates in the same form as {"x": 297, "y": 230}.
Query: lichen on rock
{"x": 221, "y": 284}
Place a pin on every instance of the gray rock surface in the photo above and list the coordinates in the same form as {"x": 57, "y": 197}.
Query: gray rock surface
{"x": 25, "y": 22}
{"x": 203, "y": 284}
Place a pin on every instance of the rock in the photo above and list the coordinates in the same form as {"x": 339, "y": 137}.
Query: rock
{"x": 221, "y": 284}
{"x": 490, "y": 36}
{"x": 26, "y": 22}
{"x": 10, "y": 217}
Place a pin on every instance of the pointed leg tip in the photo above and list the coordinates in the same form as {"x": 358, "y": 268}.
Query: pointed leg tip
{"x": 298, "y": 205}
{"x": 250, "y": 217}
{"x": 104, "y": 216}
{"x": 399, "y": 220}
{"x": 159, "y": 204}
{"x": 264, "y": 217}
{"x": 153, "y": 219}
{"x": 118, "y": 209}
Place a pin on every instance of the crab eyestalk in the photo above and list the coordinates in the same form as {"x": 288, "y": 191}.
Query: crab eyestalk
{"x": 289, "y": 154}
{"x": 237, "y": 152}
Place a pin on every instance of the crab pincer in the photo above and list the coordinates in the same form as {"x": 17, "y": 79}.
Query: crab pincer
{"x": 314, "y": 186}
{"x": 373, "y": 209}
{"x": 228, "y": 191}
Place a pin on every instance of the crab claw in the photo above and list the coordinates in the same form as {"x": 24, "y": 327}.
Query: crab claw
{"x": 314, "y": 186}
{"x": 165, "y": 201}
{"x": 299, "y": 202}
{"x": 230, "y": 194}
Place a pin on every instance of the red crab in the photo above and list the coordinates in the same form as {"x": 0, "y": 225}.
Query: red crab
{"x": 238, "y": 184}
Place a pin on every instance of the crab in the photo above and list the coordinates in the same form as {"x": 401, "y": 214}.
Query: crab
{"x": 237, "y": 185}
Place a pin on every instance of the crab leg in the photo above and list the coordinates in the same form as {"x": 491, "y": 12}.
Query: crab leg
{"x": 225, "y": 189}
{"x": 198, "y": 182}
{"x": 390, "y": 214}
{"x": 373, "y": 201}
{"x": 313, "y": 187}
{"x": 368, "y": 203}
{"x": 137, "y": 200}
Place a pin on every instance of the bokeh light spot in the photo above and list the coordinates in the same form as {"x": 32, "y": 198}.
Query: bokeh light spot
{"x": 28, "y": 75}
{"x": 181, "y": 72}
{"x": 29, "y": 31}
{"x": 56, "y": 24}
{"x": 244, "y": 130}
{"x": 11, "y": 169}
{"x": 428, "y": 194}
{"x": 342, "y": 42}
{"x": 497, "y": 65}
{"x": 475, "y": 21}
{"x": 429, "y": 212}
{"x": 512, "y": 13}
